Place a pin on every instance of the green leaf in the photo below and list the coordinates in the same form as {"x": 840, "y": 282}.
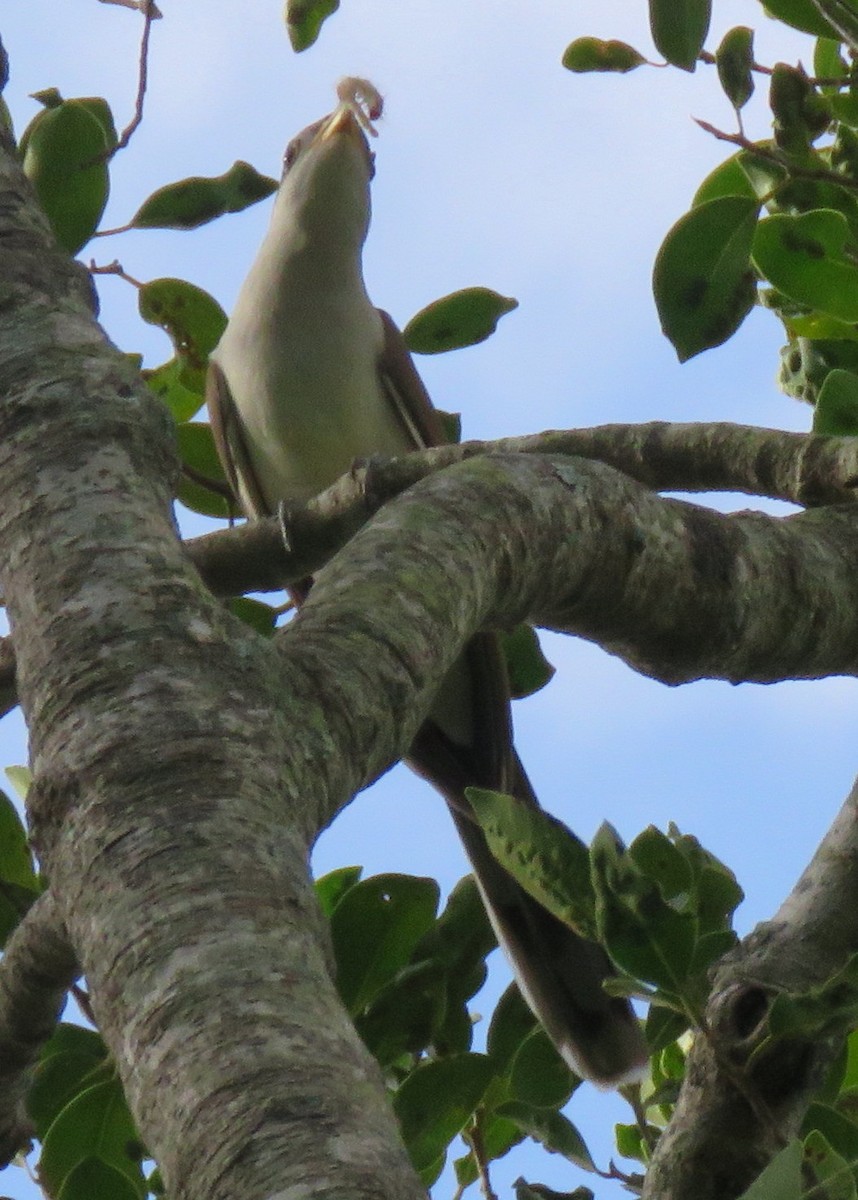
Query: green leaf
{"x": 630, "y": 1142}
{"x": 844, "y": 152}
{"x": 426, "y": 1003}
{"x": 167, "y": 383}
{"x": 403, "y": 1017}
{"x": 374, "y": 929}
{"x": 451, "y": 426}
{"x": 840, "y": 1133}
{"x": 836, "y": 409}
{"x": 100, "y": 109}
{"x": 546, "y": 857}
{"x": 800, "y": 14}
{"x": 62, "y": 1076}
{"x": 828, "y": 62}
{"x": 804, "y": 257}
{"x": 64, "y": 161}
{"x": 850, "y": 1078}
{"x": 821, "y": 1010}
{"x": 710, "y": 947}
{"x": 728, "y": 179}
{"x": 304, "y": 19}
{"x": 331, "y": 888}
{"x": 16, "y": 861}
{"x": 801, "y": 114}
{"x": 192, "y": 202}
{"x": 766, "y": 177}
{"x": 805, "y": 195}
{"x": 703, "y": 282}
{"x": 461, "y": 319}
{"x": 192, "y": 319}
{"x": 781, "y": 1180}
{"x": 96, "y": 1123}
{"x": 498, "y": 1135}
{"x": 95, "y": 1179}
{"x": 807, "y": 362}
{"x": 255, "y": 613}
{"x": 528, "y": 670}
{"x": 663, "y": 1026}
{"x": 74, "y": 1039}
{"x": 664, "y": 863}
{"x": 671, "y": 1063}
{"x": 437, "y": 1100}
{"x": 593, "y": 54}
{"x": 644, "y": 935}
{"x": 538, "y": 1076}
{"x": 197, "y": 450}
{"x": 718, "y": 892}
{"x": 734, "y": 59}
{"x": 831, "y": 1172}
{"x": 679, "y": 29}
{"x": 512, "y": 1022}
{"x": 539, "y": 1191}
{"x": 844, "y": 108}
{"x": 550, "y": 1128}
{"x": 20, "y": 779}
{"x": 462, "y": 936}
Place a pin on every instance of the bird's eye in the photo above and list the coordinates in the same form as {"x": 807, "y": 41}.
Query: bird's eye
{"x": 291, "y": 154}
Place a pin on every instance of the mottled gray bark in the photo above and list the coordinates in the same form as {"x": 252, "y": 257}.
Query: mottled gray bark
{"x": 163, "y": 769}
{"x": 38, "y": 969}
{"x": 806, "y": 469}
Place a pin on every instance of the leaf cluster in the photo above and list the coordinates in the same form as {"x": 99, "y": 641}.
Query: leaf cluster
{"x": 776, "y": 224}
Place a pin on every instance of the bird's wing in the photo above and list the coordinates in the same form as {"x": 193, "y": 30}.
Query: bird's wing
{"x": 230, "y": 444}
{"x": 405, "y": 390}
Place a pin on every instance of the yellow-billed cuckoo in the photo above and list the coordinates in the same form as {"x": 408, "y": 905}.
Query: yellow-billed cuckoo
{"x": 308, "y": 376}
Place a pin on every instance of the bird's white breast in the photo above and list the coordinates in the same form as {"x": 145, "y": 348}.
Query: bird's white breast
{"x": 301, "y": 361}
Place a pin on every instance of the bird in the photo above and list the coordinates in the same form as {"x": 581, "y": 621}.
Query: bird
{"x": 308, "y": 377}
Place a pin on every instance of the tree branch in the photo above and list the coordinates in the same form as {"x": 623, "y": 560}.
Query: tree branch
{"x": 36, "y": 971}
{"x": 163, "y": 808}
{"x": 806, "y": 469}
{"x": 717, "y": 1143}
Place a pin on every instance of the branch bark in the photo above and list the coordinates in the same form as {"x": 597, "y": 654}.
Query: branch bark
{"x": 162, "y": 775}
{"x": 744, "y": 1097}
{"x": 805, "y": 469}
{"x": 38, "y": 969}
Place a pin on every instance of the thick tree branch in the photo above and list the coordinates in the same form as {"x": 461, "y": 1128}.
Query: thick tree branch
{"x": 160, "y": 806}
{"x": 717, "y": 1143}
{"x": 806, "y": 469}
{"x": 37, "y": 969}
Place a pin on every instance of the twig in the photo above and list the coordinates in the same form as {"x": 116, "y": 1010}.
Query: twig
{"x": 114, "y": 268}
{"x": 150, "y": 12}
{"x": 473, "y": 1136}
{"x": 793, "y": 170}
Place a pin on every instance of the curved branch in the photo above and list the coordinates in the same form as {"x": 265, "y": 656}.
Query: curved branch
{"x": 36, "y": 972}
{"x": 805, "y": 469}
{"x": 678, "y": 591}
{"x": 717, "y": 1143}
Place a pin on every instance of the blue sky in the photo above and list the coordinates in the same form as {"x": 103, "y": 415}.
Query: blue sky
{"x": 494, "y": 167}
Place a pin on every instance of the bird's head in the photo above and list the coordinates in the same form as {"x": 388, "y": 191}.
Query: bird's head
{"x": 327, "y": 169}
